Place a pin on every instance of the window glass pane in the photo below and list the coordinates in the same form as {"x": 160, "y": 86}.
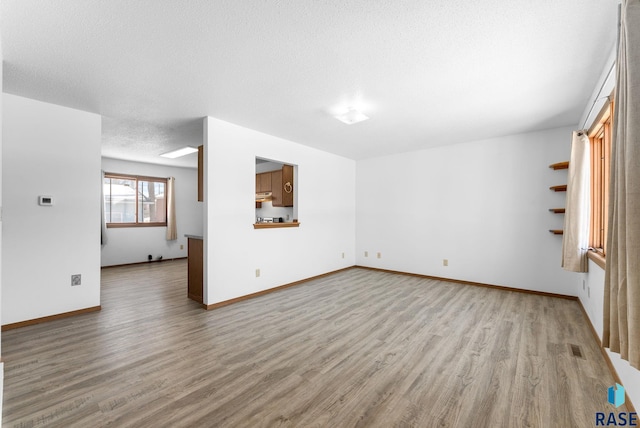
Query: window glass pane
{"x": 151, "y": 202}
{"x": 120, "y": 200}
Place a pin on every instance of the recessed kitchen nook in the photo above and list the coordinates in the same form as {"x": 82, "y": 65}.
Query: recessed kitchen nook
{"x": 276, "y": 194}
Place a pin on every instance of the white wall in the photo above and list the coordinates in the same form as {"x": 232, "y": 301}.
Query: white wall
{"x": 49, "y": 150}
{"x": 234, "y": 249}
{"x": 482, "y": 205}
{"x": 134, "y": 244}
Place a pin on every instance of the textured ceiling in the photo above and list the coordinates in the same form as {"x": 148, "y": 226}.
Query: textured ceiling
{"x": 426, "y": 72}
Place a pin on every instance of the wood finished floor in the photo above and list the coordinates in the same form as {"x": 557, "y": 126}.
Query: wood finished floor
{"x": 359, "y": 348}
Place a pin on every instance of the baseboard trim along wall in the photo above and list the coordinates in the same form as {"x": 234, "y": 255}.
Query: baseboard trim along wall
{"x": 50, "y": 318}
{"x": 478, "y": 284}
{"x": 142, "y": 263}
{"x": 270, "y": 290}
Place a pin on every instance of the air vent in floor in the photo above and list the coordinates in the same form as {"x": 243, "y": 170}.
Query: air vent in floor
{"x": 576, "y": 351}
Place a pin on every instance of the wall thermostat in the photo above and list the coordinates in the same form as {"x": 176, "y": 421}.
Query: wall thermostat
{"x": 46, "y": 201}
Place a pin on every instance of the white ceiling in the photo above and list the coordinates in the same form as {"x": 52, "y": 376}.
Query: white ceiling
{"x": 426, "y": 72}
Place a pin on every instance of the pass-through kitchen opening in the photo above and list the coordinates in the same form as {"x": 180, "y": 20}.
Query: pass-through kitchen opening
{"x": 276, "y": 193}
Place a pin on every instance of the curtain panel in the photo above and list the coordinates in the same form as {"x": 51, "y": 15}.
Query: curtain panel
{"x": 575, "y": 239}
{"x": 621, "y": 331}
{"x": 172, "y": 229}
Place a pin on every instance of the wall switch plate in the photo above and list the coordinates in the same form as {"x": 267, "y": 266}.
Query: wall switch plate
{"x": 343, "y": 255}
{"x": 589, "y": 292}
{"x": 257, "y": 273}
{"x": 583, "y": 284}
{"x": 379, "y": 255}
{"x": 182, "y": 247}
{"x": 445, "y": 262}
{"x": 366, "y": 254}
{"x": 76, "y": 279}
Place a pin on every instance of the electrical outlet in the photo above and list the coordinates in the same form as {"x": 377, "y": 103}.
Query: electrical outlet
{"x": 76, "y": 279}
{"x": 445, "y": 262}
{"x": 182, "y": 247}
{"x": 343, "y": 255}
{"x": 366, "y": 254}
{"x": 257, "y": 273}
{"x": 379, "y": 255}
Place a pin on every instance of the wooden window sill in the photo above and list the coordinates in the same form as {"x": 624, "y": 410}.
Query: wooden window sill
{"x": 274, "y": 225}
{"x": 116, "y": 225}
{"x": 597, "y": 258}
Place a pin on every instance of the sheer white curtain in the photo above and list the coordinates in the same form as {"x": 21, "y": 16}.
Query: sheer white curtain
{"x": 172, "y": 229}
{"x": 621, "y": 330}
{"x": 575, "y": 239}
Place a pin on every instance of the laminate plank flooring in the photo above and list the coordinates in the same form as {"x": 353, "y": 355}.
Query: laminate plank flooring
{"x": 357, "y": 348}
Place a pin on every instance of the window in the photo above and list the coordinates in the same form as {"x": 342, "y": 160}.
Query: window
{"x": 600, "y": 137}
{"x": 131, "y": 201}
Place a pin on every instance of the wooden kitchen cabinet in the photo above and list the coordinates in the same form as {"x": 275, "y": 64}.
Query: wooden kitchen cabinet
{"x": 282, "y": 187}
{"x": 276, "y": 191}
{"x": 287, "y": 185}
{"x": 263, "y": 182}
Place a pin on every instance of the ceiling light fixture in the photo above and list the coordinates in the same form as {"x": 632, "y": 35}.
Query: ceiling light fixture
{"x": 351, "y": 116}
{"x": 179, "y": 152}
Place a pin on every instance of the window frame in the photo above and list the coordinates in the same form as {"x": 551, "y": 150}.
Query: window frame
{"x": 600, "y": 136}
{"x": 137, "y": 179}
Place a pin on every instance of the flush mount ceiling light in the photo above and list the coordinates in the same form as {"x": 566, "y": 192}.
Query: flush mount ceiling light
{"x": 179, "y": 152}
{"x": 351, "y": 116}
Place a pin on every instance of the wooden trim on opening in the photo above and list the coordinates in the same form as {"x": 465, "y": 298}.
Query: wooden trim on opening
{"x": 274, "y": 225}
{"x": 50, "y": 318}
{"x": 479, "y": 284}
{"x": 270, "y": 290}
{"x": 607, "y": 359}
{"x": 134, "y": 177}
{"x": 119, "y": 225}
{"x": 597, "y": 258}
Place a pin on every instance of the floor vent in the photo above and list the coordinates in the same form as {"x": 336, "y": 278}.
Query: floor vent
{"x": 576, "y": 351}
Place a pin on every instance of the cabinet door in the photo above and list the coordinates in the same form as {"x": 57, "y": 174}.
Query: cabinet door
{"x": 276, "y": 191}
{"x": 194, "y": 269}
{"x": 263, "y": 182}
{"x": 287, "y": 186}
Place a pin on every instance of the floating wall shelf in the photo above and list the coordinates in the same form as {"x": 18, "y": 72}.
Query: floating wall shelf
{"x": 559, "y": 188}
{"x": 559, "y": 165}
